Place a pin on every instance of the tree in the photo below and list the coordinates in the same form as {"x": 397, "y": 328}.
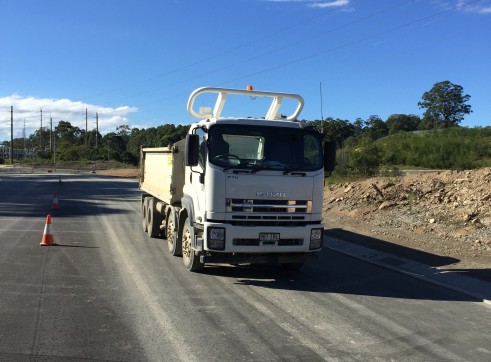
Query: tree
{"x": 375, "y": 128}
{"x": 68, "y": 133}
{"x": 402, "y": 123}
{"x": 445, "y": 106}
{"x": 115, "y": 146}
{"x": 335, "y": 129}
{"x": 136, "y": 141}
{"x": 124, "y": 131}
{"x": 359, "y": 125}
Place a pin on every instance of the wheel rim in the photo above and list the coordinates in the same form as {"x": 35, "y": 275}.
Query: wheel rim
{"x": 186, "y": 244}
{"x": 170, "y": 235}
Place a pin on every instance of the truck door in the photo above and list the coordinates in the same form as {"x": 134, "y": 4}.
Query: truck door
{"x": 197, "y": 182}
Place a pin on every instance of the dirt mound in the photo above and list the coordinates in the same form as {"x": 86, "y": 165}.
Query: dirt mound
{"x": 120, "y": 172}
{"x": 444, "y": 213}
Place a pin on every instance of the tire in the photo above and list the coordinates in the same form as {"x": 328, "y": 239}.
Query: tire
{"x": 154, "y": 219}
{"x": 189, "y": 257}
{"x": 144, "y": 214}
{"x": 173, "y": 244}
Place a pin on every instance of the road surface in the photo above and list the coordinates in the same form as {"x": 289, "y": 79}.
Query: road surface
{"x": 109, "y": 293}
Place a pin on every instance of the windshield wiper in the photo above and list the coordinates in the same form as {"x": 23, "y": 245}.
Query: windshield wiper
{"x": 257, "y": 169}
{"x": 293, "y": 171}
{"x": 236, "y": 168}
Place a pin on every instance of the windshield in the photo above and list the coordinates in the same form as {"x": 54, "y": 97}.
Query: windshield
{"x": 259, "y": 148}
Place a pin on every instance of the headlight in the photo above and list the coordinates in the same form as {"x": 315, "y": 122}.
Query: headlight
{"x": 316, "y": 239}
{"x": 216, "y": 238}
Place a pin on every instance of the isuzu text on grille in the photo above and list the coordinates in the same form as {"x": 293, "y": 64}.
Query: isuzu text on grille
{"x": 270, "y": 195}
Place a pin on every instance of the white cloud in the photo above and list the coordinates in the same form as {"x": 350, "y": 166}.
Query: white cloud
{"x": 28, "y": 110}
{"x": 316, "y": 4}
{"x": 480, "y": 7}
{"x": 468, "y": 6}
{"x": 330, "y": 4}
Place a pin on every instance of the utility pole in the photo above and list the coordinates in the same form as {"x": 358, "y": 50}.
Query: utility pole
{"x": 54, "y": 148}
{"x": 41, "y": 131}
{"x": 322, "y": 115}
{"x": 24, "y": 136}
{"x": 85, "y": 127}
{"x": 50, "y": 135}
{"x": 11, "y": 135}
{"x": 96, "y": 128}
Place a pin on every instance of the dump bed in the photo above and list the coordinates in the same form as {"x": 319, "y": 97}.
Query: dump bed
{"x": 162, "y": 172}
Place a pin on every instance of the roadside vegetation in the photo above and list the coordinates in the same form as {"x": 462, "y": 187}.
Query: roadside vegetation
{"x": 68, "y": 144}
{"x": 435, "y": 141}
{"x": 365, "y": 147}
{"x": 455, "y": 148}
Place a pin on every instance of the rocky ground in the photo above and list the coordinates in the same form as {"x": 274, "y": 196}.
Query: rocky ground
{"x": 427, "y": 215}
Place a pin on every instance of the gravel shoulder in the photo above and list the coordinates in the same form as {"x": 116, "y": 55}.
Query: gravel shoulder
{"x": 120, "y": 172}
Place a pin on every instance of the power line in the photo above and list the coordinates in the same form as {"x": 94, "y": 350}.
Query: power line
{"x": 345, "y": 45}
{"x": 287, "y": 63}
{"x": 313, "y": 55}
{"x": 218, "y": 55}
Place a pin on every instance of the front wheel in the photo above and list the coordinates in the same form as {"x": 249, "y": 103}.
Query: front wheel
{"x": 172, "y": 242}
{"x": 189, "y": 256}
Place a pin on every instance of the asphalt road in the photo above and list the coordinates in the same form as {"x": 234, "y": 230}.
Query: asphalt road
{"x": 109, "y": 293}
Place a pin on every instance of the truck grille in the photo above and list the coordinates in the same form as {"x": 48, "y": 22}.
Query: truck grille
{"x": 269, "y": 212}
{"x": 268, "y": 206}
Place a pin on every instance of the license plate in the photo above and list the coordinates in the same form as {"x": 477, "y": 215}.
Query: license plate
{"x": 269, "y": 236}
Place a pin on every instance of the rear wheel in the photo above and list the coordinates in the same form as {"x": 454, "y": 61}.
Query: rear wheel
{"x": 144, "y": 214}
{"x": 175, "y": 248}
{"x": 189, "y": 256}
{"x": 153, "y": 219}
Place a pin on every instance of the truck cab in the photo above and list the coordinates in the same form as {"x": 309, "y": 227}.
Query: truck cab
{"x": 252, "y": 188}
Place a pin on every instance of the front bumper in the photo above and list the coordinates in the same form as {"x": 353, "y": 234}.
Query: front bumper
{"x": 246, "y": 239}
{"x": 224, "y": 258}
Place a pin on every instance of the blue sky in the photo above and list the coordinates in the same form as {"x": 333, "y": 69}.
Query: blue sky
{"x": 136, "y": 62}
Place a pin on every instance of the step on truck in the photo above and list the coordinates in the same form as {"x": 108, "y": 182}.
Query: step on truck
{"x": 238, "y": 190}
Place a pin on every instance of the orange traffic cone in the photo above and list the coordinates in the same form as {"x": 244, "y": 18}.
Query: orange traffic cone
{"x": 55, "y": 201}
{"x": 48, "y": 238}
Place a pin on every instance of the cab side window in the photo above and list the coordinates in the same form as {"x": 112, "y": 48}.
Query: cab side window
{"x": 202, "y": 148}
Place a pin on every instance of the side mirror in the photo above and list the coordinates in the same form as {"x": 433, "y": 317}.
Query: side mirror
{"x": 329, "y": 156}
{"x": 192, "y": 150}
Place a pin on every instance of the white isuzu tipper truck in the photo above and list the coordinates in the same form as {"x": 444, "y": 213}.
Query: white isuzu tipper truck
{"x": 238, "y": 190}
